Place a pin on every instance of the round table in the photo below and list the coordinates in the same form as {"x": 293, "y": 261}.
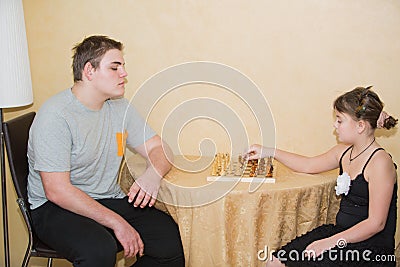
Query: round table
{"x": 237, "y": 223}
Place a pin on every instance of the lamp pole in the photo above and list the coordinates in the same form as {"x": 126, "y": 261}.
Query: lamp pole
{"x": 4, "y": 194}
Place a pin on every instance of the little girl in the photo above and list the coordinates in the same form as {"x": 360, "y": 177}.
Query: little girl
{"x": 366, "y": 222}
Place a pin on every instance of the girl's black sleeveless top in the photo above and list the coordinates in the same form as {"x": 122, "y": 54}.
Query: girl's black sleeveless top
{"x": 354, "y": 208}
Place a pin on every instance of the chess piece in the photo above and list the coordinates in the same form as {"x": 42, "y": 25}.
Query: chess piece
{"x": 238, "y": 169}
{"x": 230, "y": 168}
{"x": 270, "y": 168}
{"x": 253, "y": 167}
{"x": 261, "y": 167}
{"x": 214, "y": 167}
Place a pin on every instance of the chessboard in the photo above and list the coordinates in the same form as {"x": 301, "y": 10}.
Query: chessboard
{"x": 224, "y": 168}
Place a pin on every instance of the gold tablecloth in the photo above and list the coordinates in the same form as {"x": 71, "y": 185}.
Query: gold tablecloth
{"x": 224, "y": 225}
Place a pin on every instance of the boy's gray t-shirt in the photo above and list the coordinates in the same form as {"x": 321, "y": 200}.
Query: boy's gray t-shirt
{"x": 68, "y": 137}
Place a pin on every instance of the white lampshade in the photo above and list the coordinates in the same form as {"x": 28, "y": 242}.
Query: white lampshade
{"x": 15, "y": 74}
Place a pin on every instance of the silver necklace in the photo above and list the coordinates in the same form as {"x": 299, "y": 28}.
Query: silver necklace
{"x": 351, "y": 151}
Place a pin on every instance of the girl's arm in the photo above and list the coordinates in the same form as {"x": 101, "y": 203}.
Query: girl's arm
{"x": 324, "y": 162}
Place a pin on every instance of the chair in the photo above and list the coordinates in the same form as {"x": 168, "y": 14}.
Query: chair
{"x": 16, "y": 133}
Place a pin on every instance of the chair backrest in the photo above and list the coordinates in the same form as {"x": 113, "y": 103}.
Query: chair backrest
{"x": 16, "y": 134}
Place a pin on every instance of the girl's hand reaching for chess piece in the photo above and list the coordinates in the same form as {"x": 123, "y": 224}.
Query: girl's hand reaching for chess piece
{"x": 257, "y": 152}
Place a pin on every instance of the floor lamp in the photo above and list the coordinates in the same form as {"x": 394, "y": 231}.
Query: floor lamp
{"x": 15, "y": 84}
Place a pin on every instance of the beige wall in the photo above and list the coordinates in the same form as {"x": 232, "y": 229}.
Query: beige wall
{"x": 301, "y": 54}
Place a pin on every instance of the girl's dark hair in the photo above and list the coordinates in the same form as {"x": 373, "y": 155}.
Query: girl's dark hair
{"x": 91, "y": 49}
{"x": 363, "y": 104}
